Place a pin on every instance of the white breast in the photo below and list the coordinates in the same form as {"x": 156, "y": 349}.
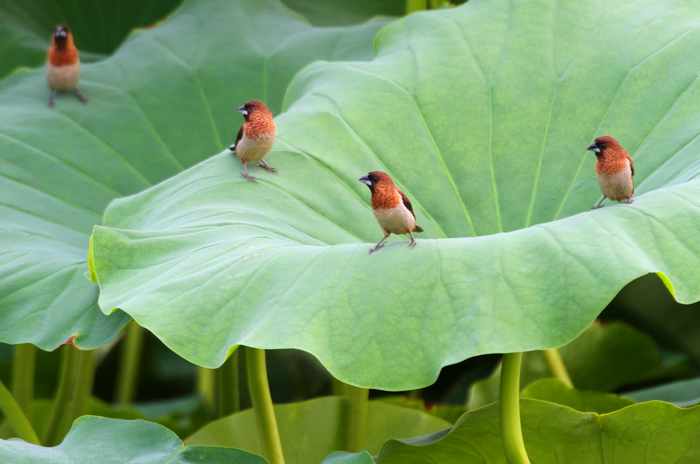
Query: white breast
{"x": 63, "y": 78}
{"x": 252, "y": 150}
{"x": 618, "y": 186}
{"x": 398, "y": 220}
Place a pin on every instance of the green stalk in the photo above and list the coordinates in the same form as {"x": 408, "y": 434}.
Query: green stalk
{"x": 416, "y": 5}
{"x": 228, "y": 390}
{"x": 206, "y": 382}
{"x": 337, "y": 387}
{"x": 23, "y": 366}
{"x": 557, "y": 366}
{"x": 15, "y": 417}
{"x": 132, "y": 346}
{"x": 259, "y": 390}
{"x": 513, "y": 443}
{"x": 356, "y": 422}
{"x": 73, "y": 392}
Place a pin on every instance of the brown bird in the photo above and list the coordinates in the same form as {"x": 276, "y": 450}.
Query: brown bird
{"x": 391, "y": 207}
{"x": 614, "y": 168}
{"x": 63, "y": 65}
{"x": 255, "y": 137}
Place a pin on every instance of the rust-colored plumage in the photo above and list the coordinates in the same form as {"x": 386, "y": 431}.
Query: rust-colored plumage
{"x": 255, "y": 136}
{"x": 614, "y": 168}
{"x": 63, "y": 64}
{"x": 391, "y": 207}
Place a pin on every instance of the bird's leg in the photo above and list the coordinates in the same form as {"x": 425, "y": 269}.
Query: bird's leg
{"x": 380, "y": 244}
{"x": 52, "y": 96}
{"x": 263, "y": 164}
{"x": 412, "y": 243}
{"x": 79, "y": 94}
{"x": 599, "y": 204}
{"x": 244, "y": 172}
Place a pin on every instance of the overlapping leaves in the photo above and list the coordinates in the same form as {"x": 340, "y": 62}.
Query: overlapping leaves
{"x": 162, "y": 103}
{"x": 481, "y": 114}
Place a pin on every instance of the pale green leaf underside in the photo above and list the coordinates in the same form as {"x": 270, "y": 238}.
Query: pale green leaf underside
{"x": 114, "y": 441}
{"x": 161, "y": 103}
{"x": 482, "y": 114}
{"x": 310, "y": 430}
{"x": 557, "y": 434}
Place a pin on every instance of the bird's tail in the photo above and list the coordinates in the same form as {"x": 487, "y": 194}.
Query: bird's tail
{"x": 418, "y": 228}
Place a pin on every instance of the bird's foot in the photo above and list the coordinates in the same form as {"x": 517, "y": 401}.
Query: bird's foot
{"x": 248, "y": 177}
{"x": 52, "y": 97}
{"x": 376, "y": 247}
{"x": 232, "y": 148}
{"x": 83, "y": 99}
{"x": 266, "y": 166}
{"x": 597, "y": 206}
{"x": 628, "y": 201}
{"x": 412, "y": 244}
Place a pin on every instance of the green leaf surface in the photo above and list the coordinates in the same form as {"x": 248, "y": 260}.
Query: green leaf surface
{"x": 554, "y": 391}
{"x": 310, "y": 430}
{"x": 113, "y": 441}
{"x": 26, "y": 26}
{"x": 652, "y": 432}
{"x": 158, "y": 105}
{"x": 604, "y": 357}
{"x": 482, "y": 114}
{"x": 349, "y": 458}
{"x": 681, "y": 393}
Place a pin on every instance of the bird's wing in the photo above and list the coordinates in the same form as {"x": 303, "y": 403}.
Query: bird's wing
{"x": 239, "y": 136}
{"x": 631, "y": 164}
{"x": 407, "y": 203}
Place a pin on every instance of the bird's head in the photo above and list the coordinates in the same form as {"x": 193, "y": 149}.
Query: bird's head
{"x": 375, "y": 178}
{"x": 603, "y": 143}
{"x": 253, "y": 108}
{"x": 61, "y": 35}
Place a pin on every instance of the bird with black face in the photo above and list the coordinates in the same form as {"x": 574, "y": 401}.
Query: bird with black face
{"x": 255, "y": 136}
{"x": 614, "y": 168}
{"x": 391, "y": 207}
{"x": 63, "y": 65}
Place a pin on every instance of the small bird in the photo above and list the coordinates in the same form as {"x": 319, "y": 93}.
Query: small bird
{"x": 391, "y": 207}
{"x": 614, "y": 168}
{"x": 255, "y": 137}
{"x": 63, "y": 65}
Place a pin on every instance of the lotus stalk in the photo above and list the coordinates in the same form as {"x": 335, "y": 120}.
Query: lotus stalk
{"x": 511, "y": 429}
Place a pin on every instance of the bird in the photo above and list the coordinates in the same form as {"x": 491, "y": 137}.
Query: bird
{"x": 391, "y": 207}
{"x": 63, "y": 65}
{"x": 255, "y": 136}
{"x": 615, "y": 170}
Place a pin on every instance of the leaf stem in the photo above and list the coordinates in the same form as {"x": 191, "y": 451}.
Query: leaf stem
{"x": 557, "y": 366}
{"x": 416, "y": 5}
{"x": 356, "y": 421}
{"x": 73, "y": 392}
{"x": 227, "y": 395}
{"x": 262, "y": 405}
{"x": 132, "y": 347}
{"x": 511, "y": 430}
{"x": 15, "y": 417}
{"x": 206, "y": 381}
{"x": 23, "y": 366}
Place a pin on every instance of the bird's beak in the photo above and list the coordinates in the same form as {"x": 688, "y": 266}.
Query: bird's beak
{"x": 365, "y": 180}
{"x": 243, "y": 111}
{"x": 594, "y": 148}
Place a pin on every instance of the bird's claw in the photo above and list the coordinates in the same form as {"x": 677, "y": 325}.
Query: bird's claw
{"x": 248, "y": 177}
{"x": 83, "y": 99}
{"x": 412, "y": 244}
{"x": 628, "y": 201}
{"x": 267, "y": 167}
{"x": 375, "y": 248}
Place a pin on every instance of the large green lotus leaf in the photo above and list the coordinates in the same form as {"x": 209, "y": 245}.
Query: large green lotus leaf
{"x": 115, "y": 441}
{"x": 163, "y": 102}
{"x": 604, "y": 357}
{"x": 341, "y": 457}
{"x": 555, "y": 391}
{"x": 482, "y": 114}
{"x": 99, "y": 27}
{"x": 652, "y": 432}
{"x": 310, "y": 430}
